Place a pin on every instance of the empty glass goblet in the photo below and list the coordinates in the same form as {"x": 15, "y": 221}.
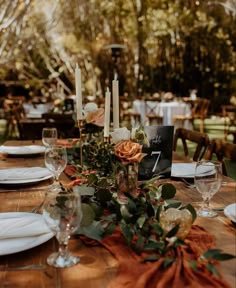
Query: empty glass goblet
{"x": 62, "y": 213}
{"x": 208, "y": 178}
{"x": 56, "y": 160}
{"x": 49, "y": 136}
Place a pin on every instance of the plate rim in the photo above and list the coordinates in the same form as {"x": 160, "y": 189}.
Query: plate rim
{"x": 25, "y": 181}
{"x": 183, "y": 176}
{"x": 36, "y": 240}
{"x": 24, "y": 153}
{"x": 228, "y": 215}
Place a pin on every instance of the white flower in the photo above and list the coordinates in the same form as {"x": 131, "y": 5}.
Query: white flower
{"x": 90, "y": 107}
{"x": 120, "y": 134}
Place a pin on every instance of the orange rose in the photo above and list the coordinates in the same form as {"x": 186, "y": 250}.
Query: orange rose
{"x": 128, "y": 152}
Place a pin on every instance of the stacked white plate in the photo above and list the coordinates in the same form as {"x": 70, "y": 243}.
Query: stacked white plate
{"x": 24, "y": 175}
{"x": 187, "y": 170}
{"x": 22, "y": 150}
{"x": 230, "y": 212}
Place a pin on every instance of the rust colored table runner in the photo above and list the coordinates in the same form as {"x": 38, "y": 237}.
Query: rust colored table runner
{"x": 117, "y": 266}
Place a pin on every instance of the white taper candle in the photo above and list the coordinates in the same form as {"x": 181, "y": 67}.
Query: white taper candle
{"x": 78, "y": 93}
{"x": 107, "y": 113}
{"x": 115, "y": 103}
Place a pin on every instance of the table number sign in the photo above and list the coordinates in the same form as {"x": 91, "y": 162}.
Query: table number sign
{"x": 159, "y": 153}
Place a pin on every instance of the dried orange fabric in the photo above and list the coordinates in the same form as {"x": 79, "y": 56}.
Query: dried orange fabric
{"x": 133, "y": 273}
{"x": 68, "y": 143}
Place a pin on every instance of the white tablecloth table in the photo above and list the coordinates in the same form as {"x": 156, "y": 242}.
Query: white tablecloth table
{"x": 166, "y": 109}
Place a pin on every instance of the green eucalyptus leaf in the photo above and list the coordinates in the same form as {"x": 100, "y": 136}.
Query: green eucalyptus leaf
{"x": 179, "y": 242}
{"x": 92, "y": 178}
{"x": 155, "y": 246}
{"x": 140, "y": 241}
{"x": 150, "y": 210}
{"x": 171, "y": 203}
{"x": 191, "y": 209}
{"x": 110, "y": 228}
{"x": 127, "y": 232}
{"x": 131, "y": 205}
{"x": 103, "y": 182}
{"x": 210, "y": 254}
{"x": 193, "y": 264}
{"x": 211, "y": 267}
{"x": 103, "y": 195}
{"x": 168, "y": 261}
{"x": 84, "y": 190}
{"x": 93, "y": 231}
{"x": 157, "y": 228}
{"x": 97, "y": 210}
{"x": 223, "y": 257}
{"x": 168, "y": 191}
{"x": 151, "y": 258}
{"x": 88, "y": 214}
{"x": 172, "y": 232}
{"x": 125, "y": 212}
{"x": 141, "y": 220}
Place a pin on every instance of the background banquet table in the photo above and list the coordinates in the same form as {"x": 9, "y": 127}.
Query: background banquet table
{"x": 166, "y": 109}
{"x": 97, "y": 267}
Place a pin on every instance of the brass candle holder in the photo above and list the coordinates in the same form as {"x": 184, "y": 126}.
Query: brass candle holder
{"x": 106, "y": 139}
{"x": 81, "y": 126}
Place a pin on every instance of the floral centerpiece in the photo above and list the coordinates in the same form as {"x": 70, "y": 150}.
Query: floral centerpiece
{"x": 144, "y": 214}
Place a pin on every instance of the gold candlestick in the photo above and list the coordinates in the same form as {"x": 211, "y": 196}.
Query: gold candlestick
{"x": 106, "y": 140}
{"x": 80, "y": 126}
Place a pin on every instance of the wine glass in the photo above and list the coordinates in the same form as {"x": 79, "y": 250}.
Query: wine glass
{"x": 62, "y": 213}
{"x": 49, "y": 136}
{"x": 56, "y": 160}
{"x": 208, "y": 178}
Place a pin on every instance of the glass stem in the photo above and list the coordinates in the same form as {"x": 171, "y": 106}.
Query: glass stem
{"x": 206, "y": 203}
{"x": 63, "y": 238}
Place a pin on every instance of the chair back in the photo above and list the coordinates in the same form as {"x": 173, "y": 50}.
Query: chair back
{"x": 200, "y": 108}
{"x": 200, "y": 139}
{"x": 229, "y": 115}
{"x": 221, "y": 150}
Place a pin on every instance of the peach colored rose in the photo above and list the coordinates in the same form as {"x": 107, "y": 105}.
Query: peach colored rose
{"x": 128, "y": 152}
{"x": 96, "y": 117}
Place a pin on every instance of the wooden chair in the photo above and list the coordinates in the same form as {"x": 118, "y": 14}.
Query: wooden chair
{"x": 152, "y": 112}
{"x": 201, "y": 141}
{"x": 221, "y": 150}
{"x": 13, "y": 112}
{"x": 199, "y": 111}
{"x": 229, "y": 115}
{"x": 128, "y": 116}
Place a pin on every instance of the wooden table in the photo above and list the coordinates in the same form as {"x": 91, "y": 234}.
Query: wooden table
{"x": 97, "y": 266}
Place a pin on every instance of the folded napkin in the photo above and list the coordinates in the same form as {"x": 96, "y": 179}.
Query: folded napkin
{"x": 21, "y": 225}
{"x": 18, "y": 150}
{"x": 187, "y": 170}
{"x": 133, "y": 273}
{"x": 24, "y": 173}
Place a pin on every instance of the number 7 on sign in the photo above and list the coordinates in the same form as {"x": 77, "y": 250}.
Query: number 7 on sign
{"x": 157, "y": 154}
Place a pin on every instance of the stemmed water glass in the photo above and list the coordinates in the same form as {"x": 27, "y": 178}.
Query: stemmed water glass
{"x": 56, "y": 160}
{"x": 208, "y": 178}
{"x": 62, "y": 213}
{"x": 49, "y": 136}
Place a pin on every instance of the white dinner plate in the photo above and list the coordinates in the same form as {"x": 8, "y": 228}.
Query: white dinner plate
{"x": 230, "y": 212}
{"x": 20, "y": 243}
{"x": 24, "y": 175}
{"x": 22, "y": 150}
{"x": 186, "y": 170}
